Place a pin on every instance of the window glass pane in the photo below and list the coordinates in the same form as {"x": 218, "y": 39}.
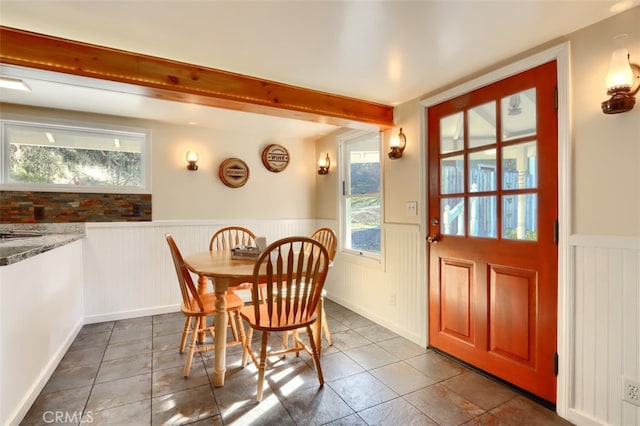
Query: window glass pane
{"x": 364, "y": 166}
{"x": 364, "y": 223}
{"x": 519, "y": 217}
{"x": 452, "y": 216}
{"x": 482, "y": 125}
{"x": 365, "y": 177}
{"x": 519, "y": 166}
{"x": 362, "y": 200}
{"x": 452, "y": 175}
{"x": 482, "y": 170}
{"x": 452, "y": 133}
{"x": 519, "y": 115}
{"x": 73, "y": 156}
{"x": 482, "y": 217}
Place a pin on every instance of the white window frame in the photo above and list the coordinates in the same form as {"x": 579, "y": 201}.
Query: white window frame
{"x": 344, "y": 162}
{"x": 107, "y": 129}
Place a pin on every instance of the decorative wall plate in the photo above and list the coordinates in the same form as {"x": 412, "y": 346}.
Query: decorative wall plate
{"x": 233, "y": 172}
{"x": 275, "y": 158}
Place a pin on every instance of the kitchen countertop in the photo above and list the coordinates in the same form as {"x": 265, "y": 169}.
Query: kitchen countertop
{"x": 13, "y": 250}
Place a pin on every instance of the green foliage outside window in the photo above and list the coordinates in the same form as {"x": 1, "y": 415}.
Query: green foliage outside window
{"x": 41, "y": 164}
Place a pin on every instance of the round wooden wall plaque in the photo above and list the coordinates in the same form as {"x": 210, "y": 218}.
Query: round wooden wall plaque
{"x": 275, "y": 158}
{"x": 233, "y": 172}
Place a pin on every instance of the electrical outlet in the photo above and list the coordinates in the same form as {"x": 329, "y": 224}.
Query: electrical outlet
{"x": 631, "y": 391}
{"x": 38, "y": 212}
{"x": 392, "y": 300}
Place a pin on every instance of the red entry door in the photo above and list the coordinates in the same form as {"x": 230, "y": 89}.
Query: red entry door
{"x": 493, "y": 203}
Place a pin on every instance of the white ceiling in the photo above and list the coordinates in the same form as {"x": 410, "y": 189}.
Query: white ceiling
{"x": 383, "y": 51}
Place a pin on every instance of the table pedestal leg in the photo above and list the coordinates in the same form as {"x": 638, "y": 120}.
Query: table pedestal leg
{"x": 220, "y": 318}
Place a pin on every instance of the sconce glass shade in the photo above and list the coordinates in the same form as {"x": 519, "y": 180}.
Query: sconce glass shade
{"x": 324, "y": 164}
{"x": 622, "y": 81}
{"x": 620, "y": 75}
{"x": 397, "y": 145}
{"x": 192, "y": 159}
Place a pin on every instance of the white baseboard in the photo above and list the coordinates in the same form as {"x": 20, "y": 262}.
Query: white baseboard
{"x": 114, "y": 316}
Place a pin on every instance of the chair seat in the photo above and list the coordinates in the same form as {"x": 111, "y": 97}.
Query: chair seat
{"x": 276, "y": 323}
{"x": 209, "y": 304}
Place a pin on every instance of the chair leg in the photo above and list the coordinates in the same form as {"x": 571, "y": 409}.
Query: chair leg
{"x": 316, "y": 356}
{"x": 296, "y": 339}
{"x": 232, "y": 324}
{"x": 192, "y": 349}
{"x": 246, "y": 346}
{"x": 325, "y": 327}
{"x": 262, "y": 366}
{"x": 185, "y": 333}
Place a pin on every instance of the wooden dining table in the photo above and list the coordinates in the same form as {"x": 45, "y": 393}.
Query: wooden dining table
{"x": 225, "y": 272}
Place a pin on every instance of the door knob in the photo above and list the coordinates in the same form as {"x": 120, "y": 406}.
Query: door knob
{"x": 432, "y": 239}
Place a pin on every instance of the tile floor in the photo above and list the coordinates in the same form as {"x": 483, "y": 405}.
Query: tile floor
{"x": 129, "y": 372}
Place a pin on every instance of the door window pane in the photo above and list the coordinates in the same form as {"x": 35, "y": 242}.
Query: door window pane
{"x": 452, "y": 216}
{"x": 519, "y": 115}
{"x": 519, "y": 166}
{"x": 452, "y": 175}
{"x": 519, "y": 217}
{"x": 482, "y": 171}
{"x": 452, "y": 133}
{"x": 482, "y": 217}
{"x": 482, "y": 125}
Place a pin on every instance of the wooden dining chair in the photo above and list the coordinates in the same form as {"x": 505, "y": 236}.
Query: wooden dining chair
{"x": 328, "y": 239}
{"x": 228, "y": 238}
{"x": 232, "y": 236}
{"x": 195, "y": 306}
{"x": 293, "y": 270}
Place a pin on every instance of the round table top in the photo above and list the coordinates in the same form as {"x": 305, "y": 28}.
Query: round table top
{"x": 219, "y": 264}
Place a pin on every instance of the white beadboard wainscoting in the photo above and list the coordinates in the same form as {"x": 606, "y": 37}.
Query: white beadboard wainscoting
{"x": 128, "y": 271}
{"x": 391, "y": 293}
{"x": 605, "y": 329}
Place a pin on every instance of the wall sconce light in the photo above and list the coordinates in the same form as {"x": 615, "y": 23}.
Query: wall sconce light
{"x": 623, "y": 80}
{"x": 192, "y": 159}
{"x": 397, "y": 145}
{"x": 324, "y": 164}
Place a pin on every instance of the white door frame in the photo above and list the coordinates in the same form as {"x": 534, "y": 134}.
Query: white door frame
{"x": 559, "y": 53}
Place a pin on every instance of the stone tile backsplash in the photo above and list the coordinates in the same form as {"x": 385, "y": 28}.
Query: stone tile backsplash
{"x": 27, "y": 207}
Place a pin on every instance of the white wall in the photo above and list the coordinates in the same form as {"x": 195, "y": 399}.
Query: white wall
{"x": 179, "y": 194}
{"x": 606, "y": 148}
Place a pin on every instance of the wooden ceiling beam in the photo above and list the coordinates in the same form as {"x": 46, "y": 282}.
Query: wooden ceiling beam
{"x": 177, "y": 81}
